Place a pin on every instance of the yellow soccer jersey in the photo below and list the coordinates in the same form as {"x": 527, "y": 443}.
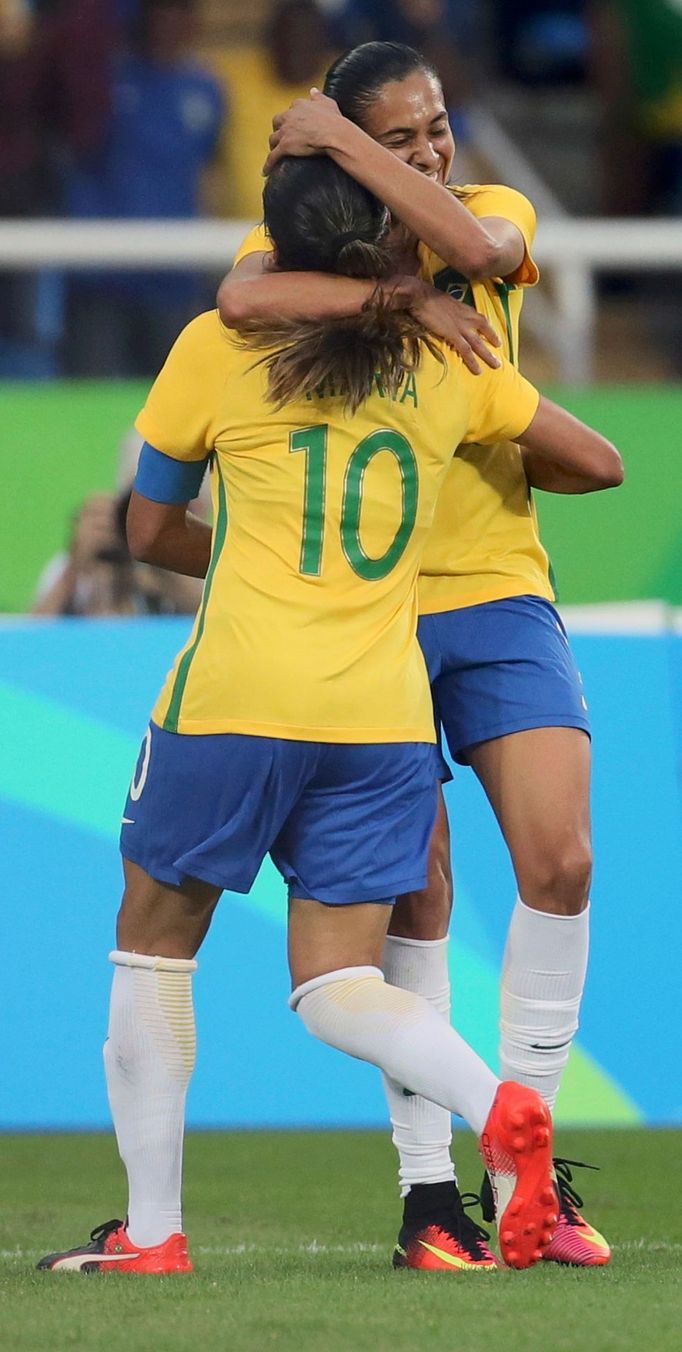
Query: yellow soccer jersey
{"x": 257, "y": 241}
{"x": 306, "y": 628}
{"x": 485, "y": 543}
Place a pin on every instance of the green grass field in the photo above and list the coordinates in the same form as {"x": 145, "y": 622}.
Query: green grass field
{"x": 291, "y": 1236}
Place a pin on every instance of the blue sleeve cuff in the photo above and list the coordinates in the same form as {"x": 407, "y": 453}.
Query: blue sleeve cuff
{"x": 163, "y": 479}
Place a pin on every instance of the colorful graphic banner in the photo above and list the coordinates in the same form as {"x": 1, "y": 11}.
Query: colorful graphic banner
{"x": 74, "y": 699}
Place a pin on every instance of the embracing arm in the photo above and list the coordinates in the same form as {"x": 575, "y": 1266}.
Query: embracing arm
{"x": 256, "y": 291}
{"x": 428, "y": 210}
{"x": 478, "y": 248}
{"x": 167, "y": 535}
{"x": 561, "y": 454}
{"x": 314, "y": 126}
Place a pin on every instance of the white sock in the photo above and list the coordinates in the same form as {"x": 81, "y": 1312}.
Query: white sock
{"x": 401, "y": 1033}
{"x": 149, "y": 1058}
{"x": 422, "y": 1131}
{"x": 543, "y": 977}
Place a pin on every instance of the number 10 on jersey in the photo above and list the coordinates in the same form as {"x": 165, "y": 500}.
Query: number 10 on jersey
{"x": 313, "y": 442}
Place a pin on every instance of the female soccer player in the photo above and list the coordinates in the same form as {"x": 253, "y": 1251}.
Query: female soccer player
{"x": 297, "y": 720}
{"x": 505, "y": 685}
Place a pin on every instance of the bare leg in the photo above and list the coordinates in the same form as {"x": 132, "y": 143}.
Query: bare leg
{"x": 538, "y": 785}
{"x": 158, "y": 918}
{"x": 426, "y": 914}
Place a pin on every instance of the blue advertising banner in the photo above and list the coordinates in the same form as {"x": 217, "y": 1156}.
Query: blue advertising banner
{"x": 74, "y": 700}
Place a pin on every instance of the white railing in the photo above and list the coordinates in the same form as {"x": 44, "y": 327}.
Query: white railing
{"x": 570, "y": 251}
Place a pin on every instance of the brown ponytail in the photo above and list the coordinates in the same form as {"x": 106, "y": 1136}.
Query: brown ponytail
{"x": 344, "y": 357}
{"x": 322, "y": 220}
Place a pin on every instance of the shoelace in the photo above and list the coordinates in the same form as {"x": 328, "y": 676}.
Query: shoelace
{"x": 569, "y": 1199}
{"x": 470, "y": 1235}
{"x": 100, "y": 1232}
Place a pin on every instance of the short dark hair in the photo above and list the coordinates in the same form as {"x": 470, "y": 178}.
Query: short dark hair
{"x": 356, "y": 78}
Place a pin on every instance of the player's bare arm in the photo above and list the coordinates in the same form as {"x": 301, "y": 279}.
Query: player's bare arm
{"x": 511, "y": 246}
{"x": 167, "y": 535}
{"x": 384, "y": 159}
{"x": 563, "y": 455}
{"x": 256, "y": 291}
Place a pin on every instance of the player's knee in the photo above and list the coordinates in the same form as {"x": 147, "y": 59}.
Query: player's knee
{"x": 559, "y": 879}
{"x": 327, "y": 1003}
{"x": 355, "y": 1010}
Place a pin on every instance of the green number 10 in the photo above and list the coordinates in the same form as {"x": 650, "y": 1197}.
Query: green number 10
{"x": 313, "y": 440}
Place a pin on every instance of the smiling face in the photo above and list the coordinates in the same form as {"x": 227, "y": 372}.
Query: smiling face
{"x": 409, "y": 118}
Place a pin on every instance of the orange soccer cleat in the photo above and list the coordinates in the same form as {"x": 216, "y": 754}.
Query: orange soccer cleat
{"x": 110, "y": 1250}
{"x": 576, "y": 1242}
{"x": 516, "y": 1146}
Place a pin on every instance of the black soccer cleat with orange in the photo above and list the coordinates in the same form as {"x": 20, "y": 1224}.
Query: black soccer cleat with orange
{"x": 437, "y": 1235}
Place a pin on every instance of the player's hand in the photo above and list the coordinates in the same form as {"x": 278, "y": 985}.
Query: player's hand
{"x": 306, "y": 128}
{"x": 459, "y": 325}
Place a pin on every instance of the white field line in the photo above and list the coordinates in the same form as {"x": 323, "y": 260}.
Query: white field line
{"x": 312, "y": 1248}
{"x": 236, "y": 1250}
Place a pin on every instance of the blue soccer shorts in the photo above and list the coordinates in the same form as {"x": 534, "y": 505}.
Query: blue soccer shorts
{"x": 497, "y": 668}
{"x": 342, "y": 823}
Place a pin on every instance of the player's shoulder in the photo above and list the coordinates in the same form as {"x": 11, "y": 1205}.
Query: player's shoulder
{"x": 257, "y": 241}
{"x": 443, "y": 371}
{"x": 493, "y": 199}
{"x": 452, "y": 373}
{"x": 204, "y": 344}
{"x": 206, "y": 330}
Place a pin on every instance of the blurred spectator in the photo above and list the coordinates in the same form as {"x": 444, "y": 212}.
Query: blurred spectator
{"x": 167, "y": 113}
{"x": 446, "y": 31}
{"x": 637, "y": 70}
{"x": 262, "y": 81}
{"x": 55, "y": 60}
{"x": 542, "y": 42}
{"x": 97, "y": 576}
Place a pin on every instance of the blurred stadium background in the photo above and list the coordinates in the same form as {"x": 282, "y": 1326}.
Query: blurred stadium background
{"x": 123, "y": 201}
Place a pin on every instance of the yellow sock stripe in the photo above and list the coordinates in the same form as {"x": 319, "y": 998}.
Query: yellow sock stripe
{"x": 175, "y": 998}
{"x": 164, "y": 1004}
